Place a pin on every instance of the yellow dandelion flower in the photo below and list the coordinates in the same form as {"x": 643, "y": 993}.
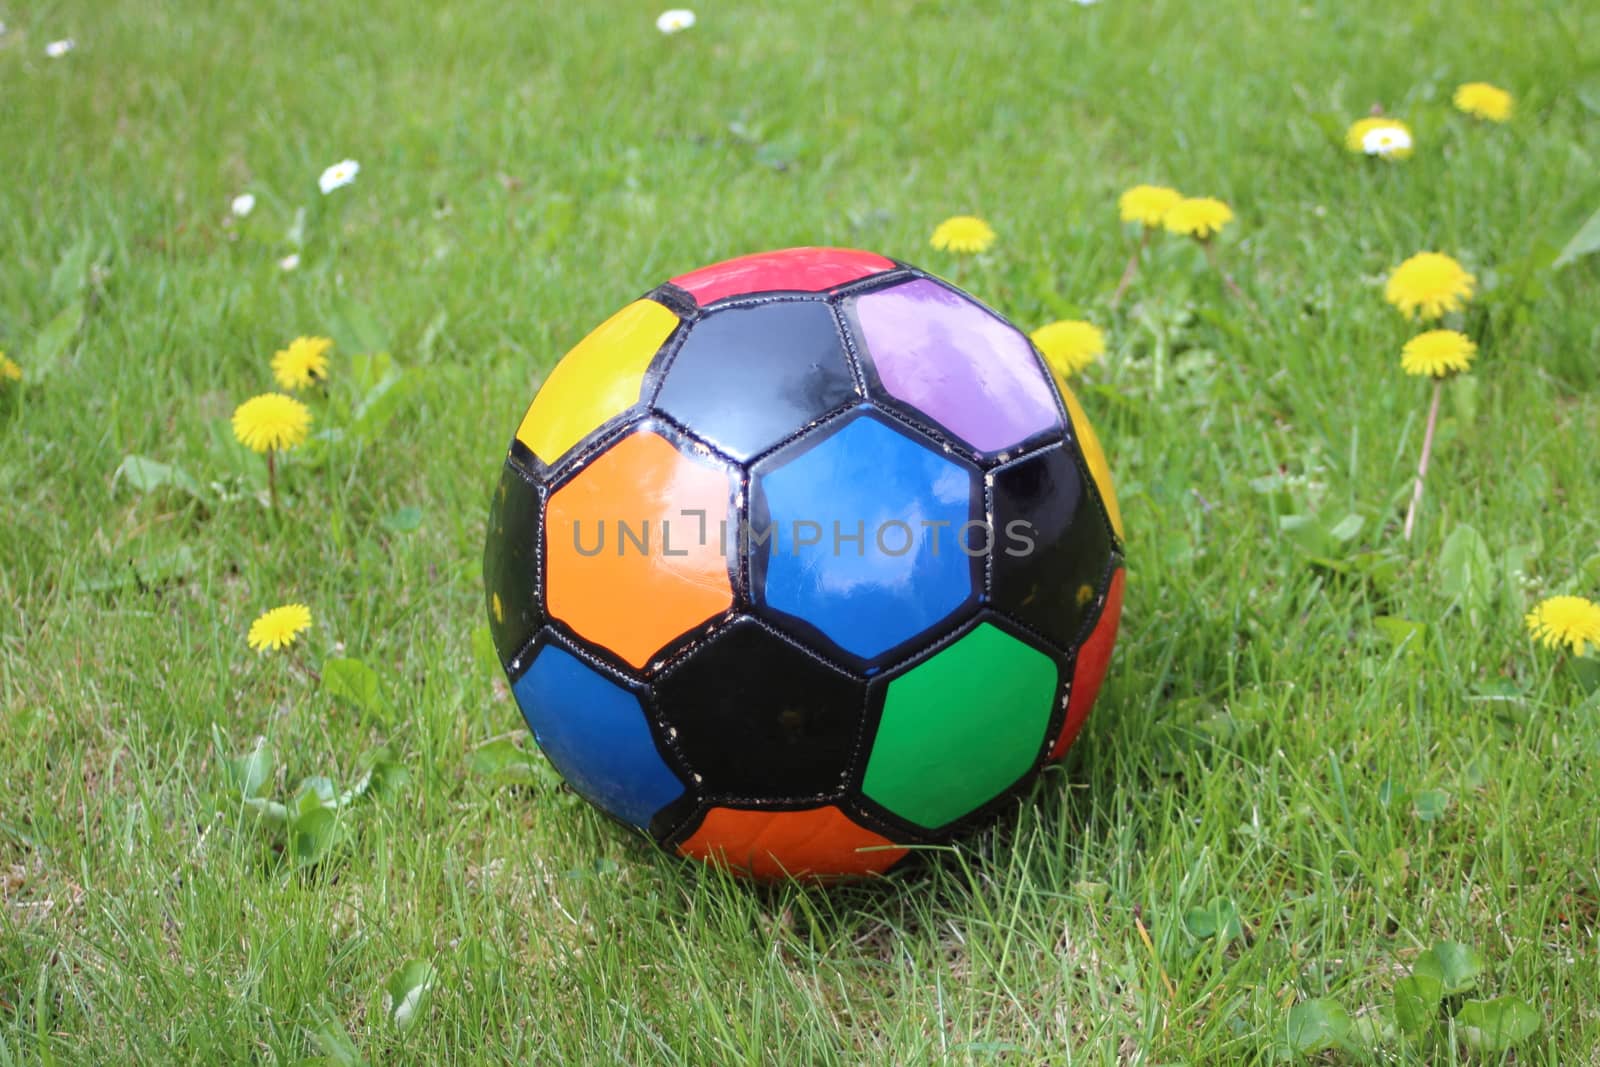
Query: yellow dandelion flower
{"x": 963, "y": 234}
{"x": 271, "y": 421}
{"x": 1484, "y": 101}
{"x": 303, "y": 363}
{"x": 1070, "y": 345}
{"x": 1199, "y": 217}
{"x": 1147, "y": 204}
{"x": 279, "y": 627}
{"x": 1437, "y": 354}
{"x": 1427, "y": 285}
{"x": 1378, "y": 136}
{"x": 9, "y": 371}
{"x": 1566, "y": 620}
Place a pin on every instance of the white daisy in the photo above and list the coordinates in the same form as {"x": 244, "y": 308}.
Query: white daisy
{"x": 676, "y": 20}
{"x": 242, "y": 204}
{"x": 290, "y": 262}
{"x": 57, "y": 49}
{"x": 1385, "y": 140}
{"x": 338, "y": 176}
{"x": 2, "y": 29}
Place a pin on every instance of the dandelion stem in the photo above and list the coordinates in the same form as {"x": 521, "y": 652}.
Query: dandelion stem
{"x": 1132, "y": 267}
{"x": 1227, "y": 280}
{"x": 272, "y": 477}
{"x": 1427, "y": 450}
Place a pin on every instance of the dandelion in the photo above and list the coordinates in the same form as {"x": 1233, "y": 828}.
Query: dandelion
{"x": 1566, "y": 620}
{"x": 675, "y": 20}
{"x": 963, "y": 234}
{"x": 1200, "y": 217}
{"x": 1203, "y": 217}
{"x": 278, "y": 628}
{"x": 1070, "y": 345}
{"x": 57, "y": 49}
{"x": 1428, "y": 285}
{"x": 1385, "y": 138}
{"x": 242, "y": 205}
{"x": 9, "y": 371}
{"x": 290, "y": 262}
{"x": 1484, "y": 101}
{"x": 1437, "y": 354}
{"x": 303, "y": 363}
{"x": 1147, "y": 205}
{"x": 338, "y": 176}
{"x": 270, "y": 423}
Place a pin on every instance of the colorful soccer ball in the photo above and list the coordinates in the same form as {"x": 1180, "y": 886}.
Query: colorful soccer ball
{"x": 803, "y": 559}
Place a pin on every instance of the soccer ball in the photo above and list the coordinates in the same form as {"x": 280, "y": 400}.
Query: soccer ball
{"x": 801, "y": 560}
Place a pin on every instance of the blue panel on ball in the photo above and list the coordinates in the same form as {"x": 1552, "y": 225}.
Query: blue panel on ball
{"x": 594, "y": 732}
{"x": 885, "y": 516}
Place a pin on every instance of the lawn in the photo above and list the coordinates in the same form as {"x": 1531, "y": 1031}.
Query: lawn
{"x": 1321, "y": 749}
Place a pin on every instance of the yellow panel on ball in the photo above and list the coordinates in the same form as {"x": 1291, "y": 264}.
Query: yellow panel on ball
{"x": 1093, "y": 454}
{"x": 599, "y": 378}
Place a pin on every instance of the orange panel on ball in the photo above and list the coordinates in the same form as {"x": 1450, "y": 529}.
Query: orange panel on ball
{"x": 1093, "y": 659}
{"x": 634, "y": 547}
{"x": 797, "y": 844}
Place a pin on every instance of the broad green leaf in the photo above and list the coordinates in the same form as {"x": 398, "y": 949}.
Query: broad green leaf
{"x": 1403, "y": 633}
{"x": 311, "y": 833}
{"x": 382, "y": 403}
{"x": 353, "y": 681}
{"x": 337, "y": 1048}
{"x": 1315, "y": 1026}
{"x": 502, "y": 759}
{"x": 1430, "y": 804}
{"x": 1453, "y": 965}
{"x": 1466, "y": 570}
{"x": 250, "y": 774}
{"x": 1218, "y": 919}
{"x": 1347, "y": 528}
{"x": 53, "y": 340}
{"x": 355, "y": 329}
{"x": 1416, "y": 1002}
{"x": 1498, "y": 1024}
{"x": 1585, "y": 241}
{"x": 316, "y": 793}
{"x": 145, "y": 475}
{"x": 405, "y": 520}
{"x": 405, "y": 994}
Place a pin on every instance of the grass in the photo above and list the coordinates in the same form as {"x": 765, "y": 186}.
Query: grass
{"x": 1275, "y": 741}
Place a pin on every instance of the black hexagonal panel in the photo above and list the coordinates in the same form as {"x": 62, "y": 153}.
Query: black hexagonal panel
{"x": 1052, "y": 585}
{"x": 511, "y": 564}
{"x": 756, "y": 716}
{"x": 749, "y": 376}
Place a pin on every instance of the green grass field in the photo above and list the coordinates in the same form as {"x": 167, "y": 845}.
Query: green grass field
{"x": 1320, "y": 751}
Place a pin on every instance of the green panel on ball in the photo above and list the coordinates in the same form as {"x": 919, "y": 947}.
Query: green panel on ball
{"x": 960, "y": 728}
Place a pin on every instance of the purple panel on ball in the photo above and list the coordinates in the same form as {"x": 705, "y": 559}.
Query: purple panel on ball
{"x": 963, "y": 367}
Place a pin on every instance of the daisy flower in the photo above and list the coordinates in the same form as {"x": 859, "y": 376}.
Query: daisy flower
{"x": 1070, "y": 344}
{"x": 303, "y": 363}
{"x": 242, "y": 205}
{"x": 1566, "y": 620}
{"x": 962, "y": 234}
{"x": 57, "y": 49}
{"x": 675, "y": 20}
{"x": 9, "y": 371}
{"x": 278, "y": 628}
{"x": 1147, "y": 204}
{"x": 338, "y": 176}
{"x": 1484, "y": 101}
{"x": 271, "y": 422}
{"x": 1200, "y": 217}
{"x": 290, "y": 262}
{"x": 1428, "y": 285}
{"x": 1379, "y": 136}
{"x": 1437, "y": 354}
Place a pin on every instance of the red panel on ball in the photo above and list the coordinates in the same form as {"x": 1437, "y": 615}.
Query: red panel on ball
{"x": 816, "y": 842}
{"x": 808, "y": 270}
{"x": 1093, "y": 658}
